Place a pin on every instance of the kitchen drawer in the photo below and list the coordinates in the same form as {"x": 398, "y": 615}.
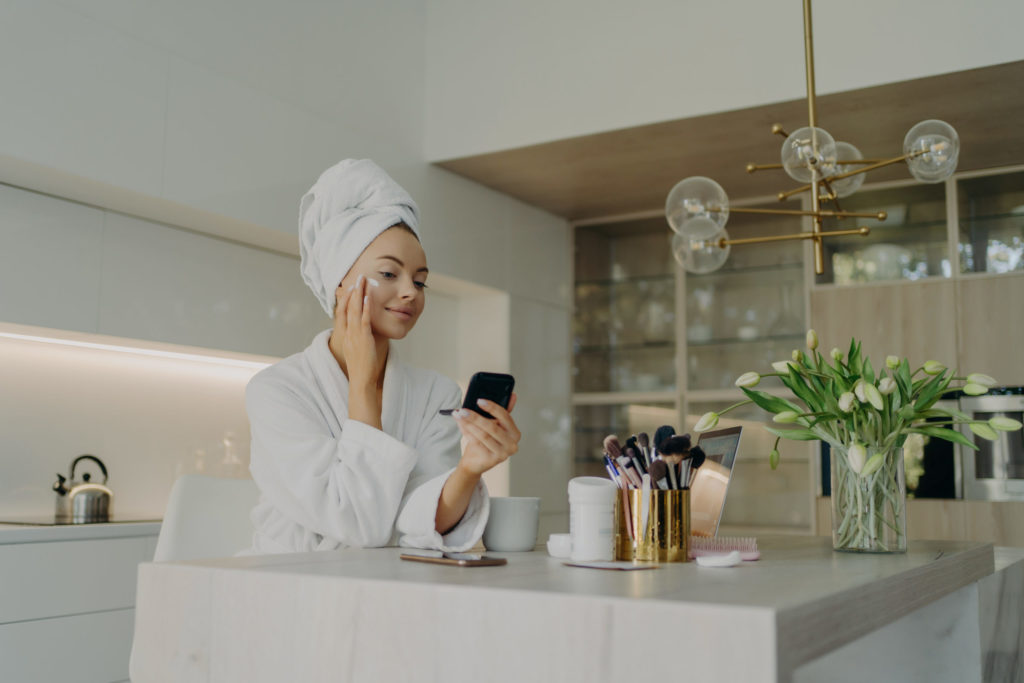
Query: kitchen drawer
{"x": 85, "y": 648}
{"x": 43, "y": 580}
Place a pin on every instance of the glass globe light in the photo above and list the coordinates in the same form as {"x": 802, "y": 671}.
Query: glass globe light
{"x": 696, "y": 248}
{"x": 844, "y": 187}
{"x": 696, "y": 197}
{"x": 807, "y": 149}
{"x": 937, "y": 148}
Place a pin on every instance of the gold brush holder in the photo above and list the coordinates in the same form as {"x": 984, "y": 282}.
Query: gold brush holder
{"x": 666, "y": 535}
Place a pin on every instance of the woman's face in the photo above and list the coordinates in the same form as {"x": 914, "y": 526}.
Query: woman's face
{"x": 395, "y": 269}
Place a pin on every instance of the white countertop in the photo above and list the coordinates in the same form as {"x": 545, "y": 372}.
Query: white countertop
{"x": 758, "y": 621}
{"x": 18, "y": 533}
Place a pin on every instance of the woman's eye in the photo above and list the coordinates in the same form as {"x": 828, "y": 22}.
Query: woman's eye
{"x": 386, "y": 275}
{"x": 420, "y": 285}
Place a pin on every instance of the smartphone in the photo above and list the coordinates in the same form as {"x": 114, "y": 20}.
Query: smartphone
{"x": 457, "y": 559}
{"x": 494, "y": 386}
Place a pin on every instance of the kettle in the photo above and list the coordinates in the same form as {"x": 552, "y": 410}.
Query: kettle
{"x": 83, "y": 502}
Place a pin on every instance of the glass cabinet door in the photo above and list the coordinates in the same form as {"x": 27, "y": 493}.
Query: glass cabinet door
{"x": 991, "y": 223}
{"x": 624, "y": 326}
{"x": 750, "y": 312}
{"x": 909, "y": 244}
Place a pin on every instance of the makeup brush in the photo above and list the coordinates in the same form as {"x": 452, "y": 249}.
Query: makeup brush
{"x": 644, "y": 442}
{"x": 697, "y": 458}
{"x": 659, "y": 474}
{"x": 612, "y": 446}
{"x": 632, "y": 454}
{"x": 626, "y": 467}
{"x": 631, "y": 444}
{"x": 673, "y": 450}
{"x": 662, "y": 433}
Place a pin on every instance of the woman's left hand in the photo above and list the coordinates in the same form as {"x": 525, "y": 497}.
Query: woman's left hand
{"x": 489, "y": 442}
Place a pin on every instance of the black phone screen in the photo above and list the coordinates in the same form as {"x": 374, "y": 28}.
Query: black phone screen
{"x": 494, "y": 386}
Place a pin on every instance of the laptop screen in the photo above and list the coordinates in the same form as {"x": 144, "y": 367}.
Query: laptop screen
{"x": 711, "y": 481}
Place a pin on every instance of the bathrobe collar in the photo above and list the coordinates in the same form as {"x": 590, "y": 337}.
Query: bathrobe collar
{"x": 334, "y": 383}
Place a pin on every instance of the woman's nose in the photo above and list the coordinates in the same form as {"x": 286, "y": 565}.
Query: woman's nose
{"x": 408, "y": 289}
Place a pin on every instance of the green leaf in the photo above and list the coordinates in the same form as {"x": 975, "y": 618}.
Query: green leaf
{"x": 803, "y": 392}
{"x": 773, "y": 404}
{"x": 930, "y": 392}
{"x": 853, "y": 361}
{"x": 869, "y": 372}
{"x": 795, "y": 434}
{"x": 944, "y": 434}
{"x": 902, "y": 376}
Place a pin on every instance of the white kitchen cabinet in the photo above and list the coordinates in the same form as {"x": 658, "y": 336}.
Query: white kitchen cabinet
{"x": 50, "y": 261}
{"x": 72, "y": 267}
{"x": 67, "y": 607}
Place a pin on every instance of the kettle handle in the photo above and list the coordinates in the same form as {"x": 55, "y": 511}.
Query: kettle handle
{"x": 103, "y": 468}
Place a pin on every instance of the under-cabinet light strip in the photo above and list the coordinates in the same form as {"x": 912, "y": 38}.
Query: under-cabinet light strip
{"x": 199, "y": 358}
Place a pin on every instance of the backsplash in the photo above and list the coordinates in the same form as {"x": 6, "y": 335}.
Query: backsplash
{"x": 149, "y": 419}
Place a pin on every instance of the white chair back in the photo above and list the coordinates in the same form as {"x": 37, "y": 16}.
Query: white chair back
{"x": 206, "y": 517}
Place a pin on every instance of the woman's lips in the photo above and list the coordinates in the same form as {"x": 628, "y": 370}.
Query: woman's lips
{"x": 401, "y": 313}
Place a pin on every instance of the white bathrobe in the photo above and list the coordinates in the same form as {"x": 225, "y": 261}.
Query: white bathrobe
{"x": 328, "y": 482}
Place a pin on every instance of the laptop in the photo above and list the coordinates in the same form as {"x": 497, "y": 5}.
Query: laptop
{"x": 711, "y": 481}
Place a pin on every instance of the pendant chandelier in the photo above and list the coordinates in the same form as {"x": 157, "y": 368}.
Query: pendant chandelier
{"x": 697, "y": 208}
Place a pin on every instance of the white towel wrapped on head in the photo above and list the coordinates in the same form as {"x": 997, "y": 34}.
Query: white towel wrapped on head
{"x": 349, "y": 205}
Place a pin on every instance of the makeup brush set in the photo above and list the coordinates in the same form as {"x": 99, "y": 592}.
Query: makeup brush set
{"x": 653, "y": 510}
{"x": 670, "y": 462}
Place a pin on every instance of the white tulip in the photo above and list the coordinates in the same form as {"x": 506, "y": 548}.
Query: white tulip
{"x": 846, "y": 401}
{"x": 812, "y": 339}
{"x": 857, "y": 455}
{"x": 786, "y": 416}
{"x": 933, "y": 367}
{"x": 983, "y": 430}
{"x": 972, "y": 389}
{"x": 836, "y": 354}
{"x": 748, "y": 379}
{"x": 706, "y": 422}
{"x": 1005, "y": 424}
{"x": 873, "y": 463}
{"x": 983, "y": 380}
{"x": 858, "y": 389}
{"x": 892, "y": 362}
{"x": 887, "y": 386}
{"x": 781, "y": 366}
{"x": 874, "y": 397}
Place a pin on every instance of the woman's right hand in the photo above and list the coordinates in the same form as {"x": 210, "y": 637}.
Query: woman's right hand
{"x": 353, "y": 337}
{"x": 489, "y": 442}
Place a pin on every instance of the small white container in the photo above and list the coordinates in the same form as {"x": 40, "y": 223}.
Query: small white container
{"x": 592, "y": 518}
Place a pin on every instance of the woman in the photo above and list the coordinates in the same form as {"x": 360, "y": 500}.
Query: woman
{"x": 348, "y": 447}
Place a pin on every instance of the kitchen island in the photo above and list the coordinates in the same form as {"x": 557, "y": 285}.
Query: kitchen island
{"x": 365, "y": 615}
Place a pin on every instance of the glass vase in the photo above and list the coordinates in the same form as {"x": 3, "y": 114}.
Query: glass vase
{"x": 869, "y": 512}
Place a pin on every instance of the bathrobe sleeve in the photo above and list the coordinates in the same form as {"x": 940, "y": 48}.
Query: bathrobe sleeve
{"x": 347, "y": 489}
{"x": 440, "y": 438}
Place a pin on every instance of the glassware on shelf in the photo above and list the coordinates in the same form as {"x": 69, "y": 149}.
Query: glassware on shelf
{"x": 698, "y": 315}
{"x": 787, "y": 321}
{"x": 991, "y": 230}
{"x": 910, "y": 244}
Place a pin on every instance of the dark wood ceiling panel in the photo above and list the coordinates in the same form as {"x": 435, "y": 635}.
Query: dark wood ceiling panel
{"x": 630, "y": 170}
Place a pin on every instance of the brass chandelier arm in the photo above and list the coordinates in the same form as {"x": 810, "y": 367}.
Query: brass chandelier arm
{"x": 863, "y": 230}
{"x": 871, "y": 167}
{"x": 751, "y": 168}
{"x": 823, "y": 213}
{"x": 812, "y": 114}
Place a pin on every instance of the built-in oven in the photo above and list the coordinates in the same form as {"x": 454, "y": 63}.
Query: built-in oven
{"x": 934, "y": 471}
{"x": 996, "y": 470}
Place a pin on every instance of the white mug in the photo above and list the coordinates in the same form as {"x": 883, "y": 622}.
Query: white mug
{"x": 512, "y": 524}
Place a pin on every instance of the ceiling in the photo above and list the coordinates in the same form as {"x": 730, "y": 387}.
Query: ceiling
{"x": 633, "y": 169}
